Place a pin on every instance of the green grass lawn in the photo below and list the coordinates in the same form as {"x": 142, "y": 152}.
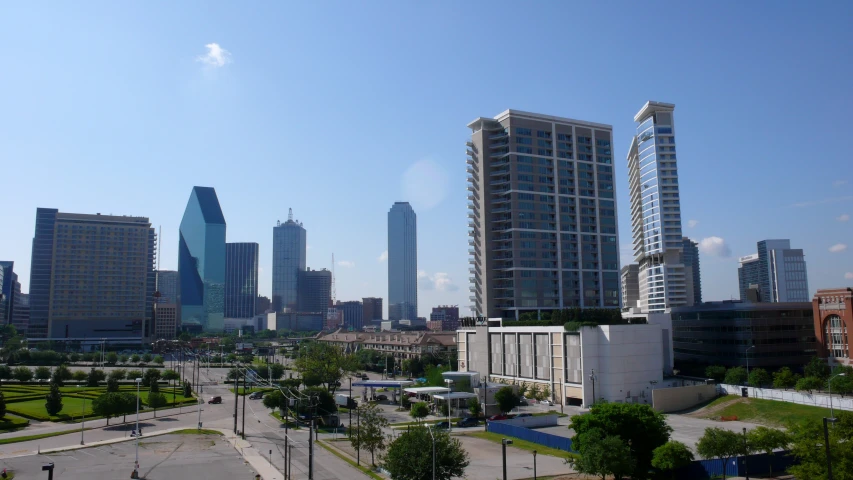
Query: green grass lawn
{"x": 523, "y": 444}
{"x": 767, "y": 412}
{"x": 72, "y": 407}
{"x": 365, "y": 470}
{"x": 13, "y": 423}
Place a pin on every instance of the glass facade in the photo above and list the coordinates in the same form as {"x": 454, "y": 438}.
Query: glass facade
{"x": 241, "y": 279}
{"x": 402, "y": 262}
{"x": 779, "y": 271}
{"x": 201, "y": 263}
{"x": 288, "y": 259}
{"x": 167, "y": 285}
{"x": 40, "y": 267}
{"x": 691, "y": 265}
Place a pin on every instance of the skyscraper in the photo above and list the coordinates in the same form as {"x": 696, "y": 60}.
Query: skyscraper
{"x": 10, "y": 289}
{"x": 201, "y": 263}
{"x": 167, "y": 285}
{"x": 656, "y": 209}
{"x": 288, "y": 259}
{"x": 353, "y": 314}
{"x": 372, "y": 309}
{"x": 778, "y": 270}
{"x": 630, "y": 287}
{"x": 92, "y": 277}
{"x": 692, "y": 270}
{"x": 315, "y": 291}
{"x": 402, "y": 262}
{"x": 241, "y": 279}
{"x": 542, "y": 214}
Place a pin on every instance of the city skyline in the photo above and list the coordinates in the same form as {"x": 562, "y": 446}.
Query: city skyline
{"x": 195, "y": 118}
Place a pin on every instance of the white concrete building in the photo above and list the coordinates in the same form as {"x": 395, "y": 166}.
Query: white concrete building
{"x": 617, "y": 363}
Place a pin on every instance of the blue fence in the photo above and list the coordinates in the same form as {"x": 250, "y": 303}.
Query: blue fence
{"x": 546, "y": 439}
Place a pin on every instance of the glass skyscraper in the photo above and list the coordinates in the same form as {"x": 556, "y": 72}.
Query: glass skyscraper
{"x": 656, "y": 210}
{"x": 693, "y": 271}
{"x": 201, "y": 262}
{"x": 402, "y": 262}
{"x": 778, "y": 270}
{"x": 40, "y": 267}
{"x": 241, "y": 279}
{"x": 288, "y": 259}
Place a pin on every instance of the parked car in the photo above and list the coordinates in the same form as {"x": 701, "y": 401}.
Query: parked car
{"x": 215, "y": 400}
{"x": 501, "y": 416}
{"x": 364, "y": 376}
{"x": 523, "y": 402}
{"x": 382, "y": 398}
{"x": 441, "y": 426}
{"x": 468, "y": 422}
{"x": 546, "y": 402}
{"x": 256, "y": 395}
{"x": 524, "y": 415}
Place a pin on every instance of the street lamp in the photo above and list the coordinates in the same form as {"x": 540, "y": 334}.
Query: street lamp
{"x": 433, "y": 452}
{"x": 592, "y": 379}
{"x": 449, "y": 383}
{"x": 831, "y": 414}
{"x": 826, "y": 443}
{"x": 534, "y": 464}
{"x": 504, "y": 443}
{"x": 136, "y": 464}
{"x": 745, "y": 455}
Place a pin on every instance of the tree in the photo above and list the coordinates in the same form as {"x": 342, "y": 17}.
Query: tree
{"x": 419, "y": 411}
{"x": 671, "y": 456}
{"x": 371, "y": 436}
{"x": 409, "y": 456}
{"x": 108, "y": 405}
{"x": 22, "y": 374}
{"x": 151, "y": 376}
{"x": 123, "y": 358}
{"x": 94, "y": 377}
{"x": 326, "y": 362}
{"x": 474, "y": 407}
{"x": 763, "y": 439}
{"x": 112, "y": 385}
{"x": 759, "y": 377}
{"x": 736, "y": 376}
{"x": 603, "y": 455}
{"x": 154, "y": 386}
{"x": 112, "y": 358}
{"x": 784, "y": 378}
{"x": 234, "y": 374}
{"x": 158, "y": 360}
{"x": 5, "y": 372}
{"x": 809, "y": 384}
{"x": 807, "y": 445}
{"x": 188, "y": 389}
{"x": 146, "y": 358}
{"x": 506, "y": 399}
{"x": 134, "y": 358}
{"x": 133, "y": 374}
{"x": 2, "y": 405}
{"x": 79, "y": 376}
{"x": 640, "y": 426}
{"x": 171, "y": 376}
{"x": 61, "y": 374}
{"x": 156, "y": 400}
{"x": 74, "y": 357}
{"x": 42, "y": 373}
{"x": 54, "y": 400}
{"x": 127, "y": 404}
{"x": 720, "y": 443}
{"x": 88, "y": 357}
{"x": 118, "y": 374}
{"x": 546, "y": 392}
{"x": 276, "y": 370}
{"x": 818, "y": 368}
{"x": 534, "y": 392}
{"x": 717, "y": 372}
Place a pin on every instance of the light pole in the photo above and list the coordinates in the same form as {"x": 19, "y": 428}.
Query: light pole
{"x": 826, "y": 442}
{"x": 831, "y": 414}
{"x": 592, "y": 379}
{"x": 83, "y": 423}
{"x": 745, "y": 456}
{"x": 449, "y": 383}
{"x": 433, "y": 452}
{"x": 136, "y": 464}
{"x": 534, "y": 464}
{"x": 504, "y": 443}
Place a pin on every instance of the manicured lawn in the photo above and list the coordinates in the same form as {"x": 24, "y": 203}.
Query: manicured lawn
{"x": 523, "y": 444}
{"x": 72, "y": 407}
{"x": 767, "y": 412}
{"x": 11, "y": 423}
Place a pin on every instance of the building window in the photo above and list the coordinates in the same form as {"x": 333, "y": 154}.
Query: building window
{"x": 836, "y": 337}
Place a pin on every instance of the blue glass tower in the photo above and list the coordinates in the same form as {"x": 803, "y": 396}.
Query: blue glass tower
{"x": 402, "y": 262}
{"x": 201, "y": 262}
{"x": 241, "y": 279}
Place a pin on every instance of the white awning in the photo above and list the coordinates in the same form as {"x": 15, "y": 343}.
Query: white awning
{"x": 455, "y": 396}
{"x": 383, "y": 383}
{"x": 425, "y": 390}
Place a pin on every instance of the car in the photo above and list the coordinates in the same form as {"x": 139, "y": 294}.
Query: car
{"x": 468, "y": 422}
{"x": 256, "y": 395}
{"x": 364, "y": 376}
{"x": 523, "y": 402}
{"x": 441, "y": 426}
{"x": 524, "y": 415}
{"x": 495, "y": 418}
{"x": 546, "y": 402}
{"x": 382, "y": 398}
{"x": 215, "y": 400}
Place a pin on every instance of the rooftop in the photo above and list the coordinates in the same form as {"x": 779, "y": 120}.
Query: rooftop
{"x": 539, "y": 117}
{"x": 651, "y": 107}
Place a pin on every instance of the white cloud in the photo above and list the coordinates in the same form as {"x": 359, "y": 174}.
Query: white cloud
{"x": 839, "y": 183}
{"x": 346, "y": 264}
{"x": 440, "y": 281}
{"x": 843, "y": 217}
{"x": 383, "y": 256}
{"x": 838, "y": 247}
{"x": 848, "y": 275}
{"x": 692, "y": 223}
{"x": 425, "y": 184}
{"x": 216, "y": 56}
{"x": 715, "y": 246}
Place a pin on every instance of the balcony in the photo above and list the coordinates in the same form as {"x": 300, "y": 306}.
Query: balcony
{"x": 472, "y": 197}
{"x": 470, "y": 144}
{"x": 500, "y": 181}
{"x": 471, "y": 188}
{"x": 499, "y": 135}
{"x": 499, "y": 171}
{"x": 499, "y": 162}
{"x": 470, "y": 153}
{"x": 500, "y": 199}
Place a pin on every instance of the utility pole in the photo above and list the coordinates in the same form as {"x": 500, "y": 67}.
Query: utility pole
{"x": 236, "y": 400}
{"x": 244, "y": 403}
{"x": 310, "y": 450}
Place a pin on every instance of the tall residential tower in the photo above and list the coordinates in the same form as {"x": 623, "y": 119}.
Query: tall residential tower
{"x": 656, "y": 210}
{"x": 288, "y": 259}
{"x": 402, "y": 262}
{"x": 542, "y": 214}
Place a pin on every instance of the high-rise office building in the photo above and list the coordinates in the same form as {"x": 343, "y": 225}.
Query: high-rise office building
{"x": 288, "y": 259}
{"x": 21, "y": 313}
{"x": 372, "y": 309}
{"x": 315, "y": 291}
{"x": 542, "y": 214}
{"x": 444, "y": 318}
{"x": 630, "y": 287}
{"x": 166, "y": 324}
{"x": 10, "y": 289}
{"x": 167, "y": 285}
{"x": 92, "y": 277}
{"x": 656, "y": 210}
{"x": 692, "y": 271}
{"x": 241, "y": 279}
{"x": 262, "y": 304}
{"x": 402, "y": 262}
{"x": 353, "y": 312}
{"x": 201, "y": 263}
{"x": 778, "y": 270}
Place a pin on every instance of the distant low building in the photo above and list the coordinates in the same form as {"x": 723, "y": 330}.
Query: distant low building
{"x": 402, "y": 345}
{"x": 446, "y": 315}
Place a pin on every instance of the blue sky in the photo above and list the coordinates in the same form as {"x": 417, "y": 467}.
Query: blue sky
{"x": 339, "y": 109}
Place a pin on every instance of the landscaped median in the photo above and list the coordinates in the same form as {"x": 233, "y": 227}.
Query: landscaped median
{"x": 328, "y": 445}
{"x": 27, "y": 438}
{"x": 523, "y": 444}
{"x": 755, "y": 410}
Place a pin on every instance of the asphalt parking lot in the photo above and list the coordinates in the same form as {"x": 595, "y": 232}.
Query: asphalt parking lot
{"x": 164, "y": 457}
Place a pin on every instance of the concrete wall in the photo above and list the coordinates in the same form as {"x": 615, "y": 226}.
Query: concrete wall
{"x": 533, "y": 422}
{"x": 803, "y": 398}
{"x": 681, "y": 398}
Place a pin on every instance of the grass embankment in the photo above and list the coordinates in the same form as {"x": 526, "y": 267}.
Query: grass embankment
{"x": 334, "y": 451}
{"x": 13, "y": 423}
{"x": 523, "y": 444}
{"x": 195, "y": 431}
{"x": 765, "y": 412}
{"x": 27, "y": 438}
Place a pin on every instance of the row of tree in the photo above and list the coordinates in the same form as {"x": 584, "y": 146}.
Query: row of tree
{"x": 815, "y": 376}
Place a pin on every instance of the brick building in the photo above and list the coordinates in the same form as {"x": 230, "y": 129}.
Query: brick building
{"x": 833, "y": 318}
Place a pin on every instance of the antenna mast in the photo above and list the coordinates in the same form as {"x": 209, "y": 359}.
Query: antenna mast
{"x": 289, "y": 214}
